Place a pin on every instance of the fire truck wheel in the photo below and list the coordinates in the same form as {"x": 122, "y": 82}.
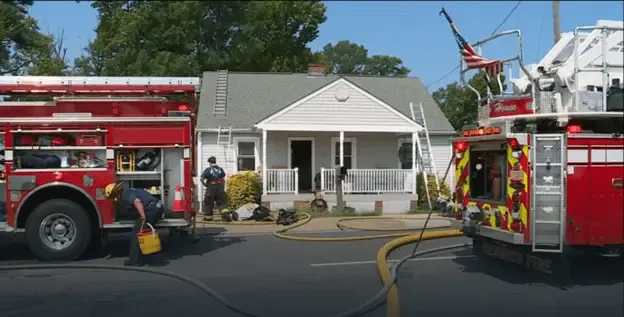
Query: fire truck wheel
{"x": 58, "y": 230}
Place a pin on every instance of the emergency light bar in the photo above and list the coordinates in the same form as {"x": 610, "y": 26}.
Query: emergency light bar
{"x": 482, "y": 131}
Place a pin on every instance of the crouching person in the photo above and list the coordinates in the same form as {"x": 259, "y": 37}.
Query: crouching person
{"x": 149, "y": 208}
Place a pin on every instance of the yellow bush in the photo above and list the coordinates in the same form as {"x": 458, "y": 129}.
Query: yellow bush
{"x": 433, "y": 190}
{"x": 243, "y": 188}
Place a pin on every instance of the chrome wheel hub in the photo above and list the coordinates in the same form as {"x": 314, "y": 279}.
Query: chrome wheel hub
{"x": 57, "y": 231}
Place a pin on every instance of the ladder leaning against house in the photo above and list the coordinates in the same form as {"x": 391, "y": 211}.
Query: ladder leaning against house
{"x": 426, "y": 162}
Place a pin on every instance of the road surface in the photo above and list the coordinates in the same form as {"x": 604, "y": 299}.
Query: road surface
{"x": 277, "y": 278}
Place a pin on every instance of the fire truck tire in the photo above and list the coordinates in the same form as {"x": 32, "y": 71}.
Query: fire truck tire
{"x": 58, "y": 230}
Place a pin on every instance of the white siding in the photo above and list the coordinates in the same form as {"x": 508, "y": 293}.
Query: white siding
{"x": 373, "y": 151}
{"x": 324, "y": 109}
{"x": 441, "y": 150}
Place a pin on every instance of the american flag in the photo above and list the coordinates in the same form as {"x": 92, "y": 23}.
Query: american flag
{"x": 472, "y": 59}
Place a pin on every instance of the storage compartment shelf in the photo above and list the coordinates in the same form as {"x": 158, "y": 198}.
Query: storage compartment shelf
{"x": 58, "y": 148}
{"x": 62, "y": 169}
{"x": 139, "y": 175}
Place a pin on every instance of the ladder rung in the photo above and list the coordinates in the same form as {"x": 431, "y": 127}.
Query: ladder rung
{"x": 548, "y": 222}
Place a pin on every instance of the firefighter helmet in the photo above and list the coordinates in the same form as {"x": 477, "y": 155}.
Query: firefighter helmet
{"x": 112, "y": 190}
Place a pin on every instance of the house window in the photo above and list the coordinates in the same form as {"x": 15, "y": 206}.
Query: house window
{"x": 349, "y": 153}
{"x": 405, "y": 155}
{"x": 246, "y": 155}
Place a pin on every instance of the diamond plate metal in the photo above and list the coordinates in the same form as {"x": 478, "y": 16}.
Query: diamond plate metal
{"x": 545, "y": 101}
{"x": 548, "y": 233}
{"x": 545, "y": 176}
{"x": 548, "y": 151}
{"x": 589, "y": 101}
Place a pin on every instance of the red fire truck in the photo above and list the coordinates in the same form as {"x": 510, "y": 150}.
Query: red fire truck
{"x": 541, "y": 176}
{"x": 87, "y": 132}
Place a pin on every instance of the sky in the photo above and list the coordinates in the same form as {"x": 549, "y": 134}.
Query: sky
{"x": 410, "y": 30}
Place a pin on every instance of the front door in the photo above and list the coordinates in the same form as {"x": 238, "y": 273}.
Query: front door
{"x": 301, "y": 157}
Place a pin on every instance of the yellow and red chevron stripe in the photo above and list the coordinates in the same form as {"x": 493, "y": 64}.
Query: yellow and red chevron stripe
{"x": 523, "y": 161}
{"x": 462, "y": 184}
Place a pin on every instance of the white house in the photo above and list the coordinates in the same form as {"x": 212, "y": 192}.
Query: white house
{"x": 298, "y": 127}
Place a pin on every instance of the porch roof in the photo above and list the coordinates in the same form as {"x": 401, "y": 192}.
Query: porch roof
{"x": 254, "y": 96}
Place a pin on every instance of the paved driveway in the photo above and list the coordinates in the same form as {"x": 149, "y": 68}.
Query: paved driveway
{"x": 278, "y": 278}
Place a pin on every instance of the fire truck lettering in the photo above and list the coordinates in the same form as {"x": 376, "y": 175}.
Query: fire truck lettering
{"x": 503, "y": 253}
{"x": 499, "y": 107}
{"x": 538, "y": 264}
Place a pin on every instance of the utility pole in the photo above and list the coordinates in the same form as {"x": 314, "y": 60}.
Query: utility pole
{"x": 556, "y": 24}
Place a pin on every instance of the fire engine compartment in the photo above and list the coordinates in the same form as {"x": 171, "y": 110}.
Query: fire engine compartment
{"x": 488, "y": 172}
{"x": 91, "y": 157}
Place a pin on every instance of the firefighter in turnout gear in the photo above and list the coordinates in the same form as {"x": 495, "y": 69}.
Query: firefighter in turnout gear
{"x": 149, "y": 208}
{"x": 213, "y": 178}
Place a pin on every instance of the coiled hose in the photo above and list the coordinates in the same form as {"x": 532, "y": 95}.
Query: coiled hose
{"x": 388, "y": 275}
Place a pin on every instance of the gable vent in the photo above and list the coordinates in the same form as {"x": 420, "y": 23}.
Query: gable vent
{"x": 220, "y": 103}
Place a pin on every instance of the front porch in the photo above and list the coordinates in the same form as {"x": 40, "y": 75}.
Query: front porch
{"x": 357, "y": 181}
{"x": 296, "y": 163}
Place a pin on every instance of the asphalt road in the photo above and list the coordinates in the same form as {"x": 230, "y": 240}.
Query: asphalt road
{"x": 277, "y": 278}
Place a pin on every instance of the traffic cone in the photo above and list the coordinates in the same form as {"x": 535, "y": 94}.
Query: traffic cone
{"x": 178, "y": 203}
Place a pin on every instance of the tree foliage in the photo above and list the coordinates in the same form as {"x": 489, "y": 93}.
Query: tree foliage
{"x": 23, "y": 48}
{"x": 350, "y": 58}
{"x": 185, "y": 38}
{"x": 459, "y": 103}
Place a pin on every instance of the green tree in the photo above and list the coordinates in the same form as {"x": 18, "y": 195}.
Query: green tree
{"x": 459, "y": 103}
{"x": 346, "y": 57}
{"x": 22, "y": 45}
{"x": 167, "y": 38}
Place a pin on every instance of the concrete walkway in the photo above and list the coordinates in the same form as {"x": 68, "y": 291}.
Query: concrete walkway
{"x": 328, "y": 224}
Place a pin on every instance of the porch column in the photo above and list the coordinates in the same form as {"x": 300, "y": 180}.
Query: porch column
{"x": 341, "y": 148}
{"x": 264, "y": 162}
{"x": 414, "y": 177}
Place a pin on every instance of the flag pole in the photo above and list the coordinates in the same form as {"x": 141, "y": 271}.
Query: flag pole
{"x": 556, "y": 23}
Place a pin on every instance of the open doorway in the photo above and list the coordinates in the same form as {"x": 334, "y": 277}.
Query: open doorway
{"x": 302, "y": 157}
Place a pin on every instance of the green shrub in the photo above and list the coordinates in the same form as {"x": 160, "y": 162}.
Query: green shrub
{"x": 433, "y": 190}
{"x": 243, "y": 188}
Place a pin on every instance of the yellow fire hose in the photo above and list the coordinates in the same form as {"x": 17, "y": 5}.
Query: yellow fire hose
{"x": 392, "y": 297}
{"x": 389, "y": 292}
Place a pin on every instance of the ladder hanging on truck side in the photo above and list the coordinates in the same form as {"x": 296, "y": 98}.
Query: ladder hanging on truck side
{"x": 426, "y": 162}
{"x": 548, "y": 209}
{"x": 60, "y": 85}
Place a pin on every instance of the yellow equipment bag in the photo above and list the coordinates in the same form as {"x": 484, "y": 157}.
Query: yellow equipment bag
{"x": 149, "y": 241}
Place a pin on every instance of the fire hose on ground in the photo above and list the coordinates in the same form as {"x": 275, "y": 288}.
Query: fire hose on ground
{"x": 389, "y": 292}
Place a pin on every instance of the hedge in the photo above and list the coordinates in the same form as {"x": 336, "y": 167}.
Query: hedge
{"x": 243, "y": 188}
{"x": 433, "y": 190}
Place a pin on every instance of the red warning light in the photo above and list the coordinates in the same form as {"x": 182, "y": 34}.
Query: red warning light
{"x": 514, "y": 144}
{"x": 574, "y": 129}
{"x": 460, "y": 146}
{"x": 183, "y": 108}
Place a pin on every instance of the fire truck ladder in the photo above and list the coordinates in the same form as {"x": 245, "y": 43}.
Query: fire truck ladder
{"x": 426, "y": 162}
{"x": 224, "y": 144}
{"x": 106, "y": 84}
{"x": 548, "y": 194}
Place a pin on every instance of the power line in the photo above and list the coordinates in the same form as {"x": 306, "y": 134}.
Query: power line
{"x": 493, "y": 32}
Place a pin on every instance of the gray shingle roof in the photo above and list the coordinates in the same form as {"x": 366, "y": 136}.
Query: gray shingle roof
{"x": 254, "y": 96}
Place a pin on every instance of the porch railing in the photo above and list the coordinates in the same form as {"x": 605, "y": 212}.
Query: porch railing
{"x": 370, "y": 181}
{"x": 281, "y": 181}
